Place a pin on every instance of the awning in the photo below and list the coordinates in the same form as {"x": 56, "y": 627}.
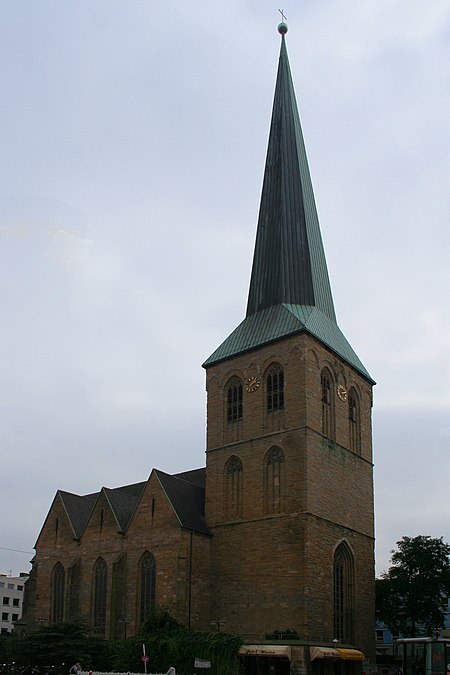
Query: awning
{"x": 265, "y": 650}
{"x": 323, "y": 653}
{"x": 351, "y": 654}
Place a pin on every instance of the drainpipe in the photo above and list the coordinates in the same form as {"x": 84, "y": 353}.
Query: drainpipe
{"x": 190, "y": 580}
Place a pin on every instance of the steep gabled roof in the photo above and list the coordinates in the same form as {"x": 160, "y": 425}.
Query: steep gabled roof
{"x": 187, "y": 500}
{"x": 289, "y": 289}
{"x": 197, "y": 476}
{"x": 185, "y": 492}
{"x": 123, "y": 502}
{"x": 78, "y": 509}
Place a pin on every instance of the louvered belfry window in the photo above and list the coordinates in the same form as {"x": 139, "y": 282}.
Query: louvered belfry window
{"x": 327, "y": 405}
{"x": 354, "y": 422}
{"x": 234, "y": 400}
{"x": 275, "y": 389}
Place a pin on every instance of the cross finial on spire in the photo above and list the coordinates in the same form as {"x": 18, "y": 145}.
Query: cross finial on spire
{"x": 283, "y": 17}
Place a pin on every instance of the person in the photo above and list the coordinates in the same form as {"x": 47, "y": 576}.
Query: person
{"x": 171, "y": 671}
{"x": 76, "y": 669}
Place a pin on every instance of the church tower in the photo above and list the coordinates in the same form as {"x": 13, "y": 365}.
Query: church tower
{"x": 289, "y": 477}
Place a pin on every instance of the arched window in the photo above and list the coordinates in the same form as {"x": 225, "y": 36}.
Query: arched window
{"x": 234, "y": 400}
{"x": 327, "y": 405}
{"x": 354, "y": 421}
{"x": 274, "y": 481}
{"x": 147, "y": 581}
{"x": 234, "y": 487}
{"x": 100, "y": 589}
{"x": 343, "y": 593}
{"x": 58, "y": 589}
{"x": 275, "y": 388}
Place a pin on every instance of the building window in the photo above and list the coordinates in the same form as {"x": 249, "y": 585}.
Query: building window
{"x": 2, "y": 584}
{"x": 100, "y": 588}
{"x": 275, "y": 389}
{"x": 11, "y": 587}
{"x": 234, "y": 400}
{"x": 147, "y": 583}
{"x": 20, "y": 588}
{"x": 343, "y": 586}
{"x": 354, "y": 422}
{"x": 58, "y": 583}
{"x": 274, "y": 481}
{"x": 15, "y": 617}
{"x": 5, "y": 616}
{"x": 6, "y": 601}
{"x": 327, "y": 405}
{"x": 234, "y": 487}
{"x": 15, "y": 602}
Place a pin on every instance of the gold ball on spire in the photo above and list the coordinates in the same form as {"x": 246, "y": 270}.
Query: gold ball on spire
{"x": 282, "y": 28}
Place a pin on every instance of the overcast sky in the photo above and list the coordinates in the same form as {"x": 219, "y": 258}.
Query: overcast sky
{"x": 133, "y": 141}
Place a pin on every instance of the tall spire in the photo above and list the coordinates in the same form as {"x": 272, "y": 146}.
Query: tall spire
{"x": 289, "y": 288}
{"x": 289, "y": 262}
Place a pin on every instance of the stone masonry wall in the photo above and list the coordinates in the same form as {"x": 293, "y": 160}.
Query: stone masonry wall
{"x": 275, "y": 571}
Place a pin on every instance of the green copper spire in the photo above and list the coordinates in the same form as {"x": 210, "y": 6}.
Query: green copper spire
{"x": 289, "y": 261}
{"x": 289, "y": 288}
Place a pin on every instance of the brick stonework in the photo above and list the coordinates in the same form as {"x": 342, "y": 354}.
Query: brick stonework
{"x": 265, "y": 569}
{"x": 182, "y": 563}
{"x": 275, "y": 571}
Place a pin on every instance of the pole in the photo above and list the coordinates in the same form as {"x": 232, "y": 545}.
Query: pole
{"x": 145, "y": 662}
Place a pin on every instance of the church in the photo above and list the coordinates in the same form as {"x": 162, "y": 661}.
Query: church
{"x": 274, "y": 539}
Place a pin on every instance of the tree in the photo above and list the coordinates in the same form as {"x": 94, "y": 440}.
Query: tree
{"x": 414, "y": 589}
{"x": 61, "y": 643}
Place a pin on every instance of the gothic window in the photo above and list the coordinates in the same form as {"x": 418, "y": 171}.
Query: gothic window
{"x": 327, "y": 405}
{"x": 275, "y": 388}
{"x": 234, "y": 487}
{"x": 73, "y": 591}
{"x": 354, "y": 421}
{"x": 343, "y": 587}
{"x": 274, "y": 481}
{"x": 100, "y": 590}
{"x": 58, "y": 583}
{"x": 147, "y": 581}
{"x": 234, "y": 400}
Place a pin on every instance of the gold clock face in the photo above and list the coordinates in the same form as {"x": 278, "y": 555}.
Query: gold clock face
{"x": 342, "y": 392}
{"x": 252, "y": 383}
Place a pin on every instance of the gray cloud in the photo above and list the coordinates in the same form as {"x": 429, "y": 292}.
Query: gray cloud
{"x": 133, "y": 145}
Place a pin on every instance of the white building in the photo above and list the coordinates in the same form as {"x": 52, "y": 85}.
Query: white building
{"x": 11, "y": 600}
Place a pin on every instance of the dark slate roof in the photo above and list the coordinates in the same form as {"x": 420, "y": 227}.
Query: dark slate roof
{"x": 123, "y": 503}
{"x": 289, "y": 287}
{"x": 187, "y": 500}
{"x": 197, "y": 476}
{"x": 78, "y": 509}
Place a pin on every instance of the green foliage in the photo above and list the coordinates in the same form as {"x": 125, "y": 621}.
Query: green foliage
{"x": 169, "y": 644}
{"x": 166, "y": 642}
{"x": 62, "y": 643}
{"x": 413, "y": 590}
{"x": 159, "y": 620}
